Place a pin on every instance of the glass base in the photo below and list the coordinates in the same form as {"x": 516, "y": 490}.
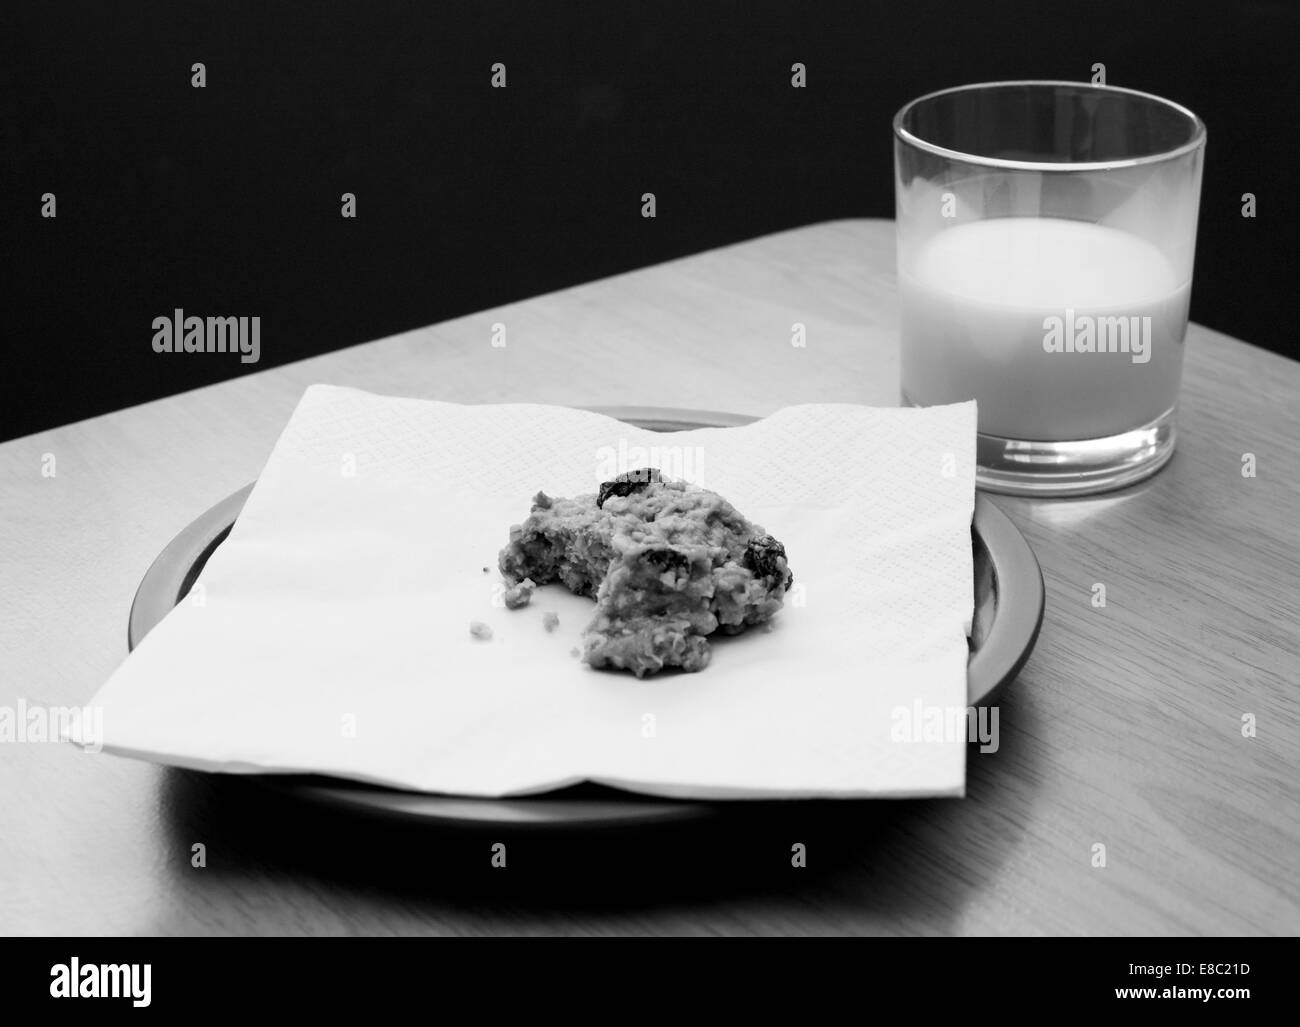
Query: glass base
{"x": 1017, "y": 467}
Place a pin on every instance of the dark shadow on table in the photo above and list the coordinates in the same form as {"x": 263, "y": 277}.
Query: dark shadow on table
{"x": 872, "y": 866}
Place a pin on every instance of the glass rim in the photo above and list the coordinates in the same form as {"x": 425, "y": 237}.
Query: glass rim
{"x": 1196, "y": 141}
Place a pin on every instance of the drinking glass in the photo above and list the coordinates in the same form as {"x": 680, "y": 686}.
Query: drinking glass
{"x": 1046, "y": 233}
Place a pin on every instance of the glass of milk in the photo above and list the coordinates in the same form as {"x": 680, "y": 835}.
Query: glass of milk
{"x": 1046, "y": 232}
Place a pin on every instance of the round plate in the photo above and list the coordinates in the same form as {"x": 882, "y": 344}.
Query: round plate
{"x": 1008, "y": 612}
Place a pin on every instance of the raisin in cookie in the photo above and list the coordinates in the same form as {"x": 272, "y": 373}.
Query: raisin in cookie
{"x": 668, "y": 564}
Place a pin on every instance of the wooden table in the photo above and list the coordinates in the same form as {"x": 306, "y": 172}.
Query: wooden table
{"x": 1125, "y": 728}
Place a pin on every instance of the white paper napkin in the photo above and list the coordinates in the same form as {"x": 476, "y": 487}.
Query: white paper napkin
{"x": 330, "y": 632}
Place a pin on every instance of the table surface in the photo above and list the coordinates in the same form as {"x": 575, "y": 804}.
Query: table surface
{"x": 1125, "y": 729}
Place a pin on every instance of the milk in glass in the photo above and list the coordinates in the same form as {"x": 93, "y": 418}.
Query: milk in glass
{"x": 1060, "y": 329}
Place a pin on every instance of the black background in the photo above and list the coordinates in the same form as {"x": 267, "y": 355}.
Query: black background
{"x": 226, "y": 200}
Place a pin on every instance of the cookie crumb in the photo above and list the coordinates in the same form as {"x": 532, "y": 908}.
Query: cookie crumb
{"x": 574, "y": 652}
{"x": 480, "y": 630}
{"x": 486, "y": 571}
{"x": 519, "y": 595}
{"x": 661, "y": 584}
{"x": 550, "y": 620}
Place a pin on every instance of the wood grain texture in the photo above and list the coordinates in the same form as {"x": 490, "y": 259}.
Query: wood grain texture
{"x": 1123, "y": 729}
